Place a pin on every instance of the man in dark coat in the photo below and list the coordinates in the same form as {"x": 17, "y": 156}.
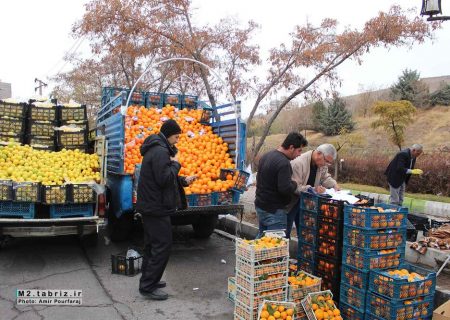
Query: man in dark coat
{"x": 160, "y": 193}
{"x": 400, "y": 170}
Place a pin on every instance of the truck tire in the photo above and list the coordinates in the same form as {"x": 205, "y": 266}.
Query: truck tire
{"x": 205, "y": 226}
{"x": 120, "y": 228}
{"x": 89, "y": 240}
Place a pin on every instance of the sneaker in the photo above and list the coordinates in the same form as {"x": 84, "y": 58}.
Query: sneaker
{"x": 156, "y": 294}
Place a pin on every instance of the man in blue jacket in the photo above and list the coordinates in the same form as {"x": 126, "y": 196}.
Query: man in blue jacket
{"x": 400, "y": 170}
{"x": 160, "y": 193}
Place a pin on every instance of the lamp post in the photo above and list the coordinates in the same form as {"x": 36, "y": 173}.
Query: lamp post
{"x": 433, "y": 9}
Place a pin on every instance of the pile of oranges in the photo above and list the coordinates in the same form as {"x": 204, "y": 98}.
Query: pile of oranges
{"x": 275, "y": 311}
{"x": 324, "y": 308}
{"x": 201, "y": 152}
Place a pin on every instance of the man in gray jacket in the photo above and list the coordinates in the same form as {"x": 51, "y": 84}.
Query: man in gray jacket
{"x": 311, "y": 170}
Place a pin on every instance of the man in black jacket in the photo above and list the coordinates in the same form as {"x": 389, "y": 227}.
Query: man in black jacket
{"x": 400, "y": 170}
{"x": 160, "y": 193}
{"x": 274, "y": 184}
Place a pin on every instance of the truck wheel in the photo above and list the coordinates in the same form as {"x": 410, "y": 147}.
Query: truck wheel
{"x": 205, "y": 226}
{"x": 120, "y": 228}
{"x": 89, "y": 240}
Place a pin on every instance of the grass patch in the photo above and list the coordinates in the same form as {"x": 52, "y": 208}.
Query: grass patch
{"x": 372, "y": 189}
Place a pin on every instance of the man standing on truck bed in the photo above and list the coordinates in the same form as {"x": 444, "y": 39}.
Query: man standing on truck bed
{"x": 274, "y": 184}
{"x": 160, "y": 193}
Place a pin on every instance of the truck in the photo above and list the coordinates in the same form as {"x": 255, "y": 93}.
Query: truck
{"x": 31, "y": 209}
{"x": 121, "y": 187}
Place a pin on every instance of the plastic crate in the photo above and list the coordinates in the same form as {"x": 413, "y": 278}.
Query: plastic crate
{"x": 71, "y": 210}
{"x": 308, "y": 218}
{"x": 374, "y": 239}
{"x": 236, "y": 197}
{"x": 191, "y": 200}
{"x": 298, "y": 293}
{"x": 189, "y": 101}
{"x": 154, "y": 100}
{"x": 201, "y": 200}
{"x": 328, "y": 267}
{"x": 271, "y": 266}
{"x": 308, "y": 235}
{"x": 393, "y": 286}
{"x": 392, "y": 310}
{"x": 72, "y": 138}
{"x": 12, "y": 126}
{"x": 329, "y": 247}
{"x": 254, "y": 300}
{"x": 330, "y": 227}
{"x": 332, "y": 284}
{"x": 350, "y": 313}
{"x": 13, "y": 110}
{"x": 267, "y": 306}
{"x": 309, "y": 201}
{"x": 43, "y": 113}
{"x": 40, "y": 140}
{"x": 173, "y": 100}
{"x": 27, "y": 191}
{"x": 240, "y": 178}
{"x": 42, "y": 128}
{"x": 223, "y": 197}
{"x": 44, "y": 148}
{"x": 120, "y": 264}
{"x": 7, "y": 138}
{"x": 109, "y": 93}
{"x": 353, "y": 296}
{"x": 55, "y": 194}
{"x": 231, "y": 289}
{"x": 331, "y": 208}
{"x": 10, "y": 209}
{"x": 6, "y": 190}
{"x": 81, "y": 193}
{"x": 252, "y": 254}
{"x": 355, "y": 277}
{"x": 72, "y": 113}
{"x": 306, "y": 265}
{"x": 244, "y": 312}
{"x": 306, "y": 250}
{"x": 376, "y": 217}
{"x": 82, "y": 148}
{"x": 80, "y": 124}
{"x": 310, "y": 300}
{"x": 367, "y": 260}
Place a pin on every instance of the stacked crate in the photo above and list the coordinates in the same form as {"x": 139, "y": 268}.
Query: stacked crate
{"x": 261, "y": 274}
{"x": 12, "y": 121}
{"x": 73, "y": 131}
{"x": 374, "y": 239}
{"x": 299, "y": 289}
{"x": 42, "y": 121}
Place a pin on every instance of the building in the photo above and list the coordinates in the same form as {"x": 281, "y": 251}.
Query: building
{"x": 5, "y": 90}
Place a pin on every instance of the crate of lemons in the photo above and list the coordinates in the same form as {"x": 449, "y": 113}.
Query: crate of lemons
{"x": 273, "y": 310}
{"x": 25, "y": 164}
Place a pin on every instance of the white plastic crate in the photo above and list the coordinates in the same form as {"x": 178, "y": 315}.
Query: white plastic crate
{"x": 253, "y": 300}
{"x": 271, "y": 266}
{"x": 243, "y": 312}
{"x": 253, "y": 285}
{"x": 307, "y": 303}
{"x": 253, "y": 254}
{"x": 297, "y": 293}
{"x": 285, "y": 304}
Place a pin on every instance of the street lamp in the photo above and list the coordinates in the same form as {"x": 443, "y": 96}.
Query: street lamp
{"x": 431, "y": 8}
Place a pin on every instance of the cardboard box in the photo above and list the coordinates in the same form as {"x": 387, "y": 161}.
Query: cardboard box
{"x": 443, "y": 312}
{"x": 231, "y": 288}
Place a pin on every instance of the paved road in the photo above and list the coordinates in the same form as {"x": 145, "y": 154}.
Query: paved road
{"x": 60, "y": 263}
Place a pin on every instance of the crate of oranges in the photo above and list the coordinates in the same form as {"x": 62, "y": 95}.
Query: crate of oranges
{"x": 350, "y": 313}
{"x": 273, "y": 310}
{"x": 381, "y": 216}
{"x": 255, "y": 299}
{"x": 263, "y": 283}
{"x": 372, "y": 259}
{"x": 268, "y": 247}
{"x": 374, "y": 239}
{"x": 320, "y": 305}
{"x": 300, "y": 284}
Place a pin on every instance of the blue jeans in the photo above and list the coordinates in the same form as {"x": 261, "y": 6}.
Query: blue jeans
{"x": 271, "y": 220}
{"x": 293, "y": 216}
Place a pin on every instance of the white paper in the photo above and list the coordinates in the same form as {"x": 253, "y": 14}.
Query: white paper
{"x": 342, "y": 195}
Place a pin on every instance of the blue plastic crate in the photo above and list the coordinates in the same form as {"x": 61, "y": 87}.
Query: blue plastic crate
{"x": 10, "y": 209}
{"x": 309, "y": 201}
{"x": 374, "y": 239}
{"x": 353, "y": 296}
{"x": 109, "y": 93}
{"x": 308, "y": 235}
{"x": 306, "y": 250}
{"x": 154, "y": 100}
{"x": 173, "y": 100}
{"x": 202, "y": 200}
{"x": 367, "y": 260}
{"x": 308, "y": 218}
{"x": 236, "y": 197}
{"x": 370, "y": 316}
{"x": 387, "y": 309}
{"x": 388, "y": 216}
{"x": 71, "y": 210}
{"x": 329, "y": 247}
{"x": 395, "y": 287}
{"x": 189, "y": 101}
{"x": 223, "y": 197}
{"x": 355, "y": 277}
{"x": 350, "y": 313}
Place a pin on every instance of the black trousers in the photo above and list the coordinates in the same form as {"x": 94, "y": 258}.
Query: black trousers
{"x": 158, "y": 242}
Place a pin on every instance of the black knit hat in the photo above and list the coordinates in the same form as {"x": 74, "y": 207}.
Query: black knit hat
{"x": 169, "y": 128}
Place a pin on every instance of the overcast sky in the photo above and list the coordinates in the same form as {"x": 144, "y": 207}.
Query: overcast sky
{"x": 34, "y": 35}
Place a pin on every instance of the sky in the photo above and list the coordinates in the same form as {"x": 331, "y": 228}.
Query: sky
{"x": 33, "y": 41}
